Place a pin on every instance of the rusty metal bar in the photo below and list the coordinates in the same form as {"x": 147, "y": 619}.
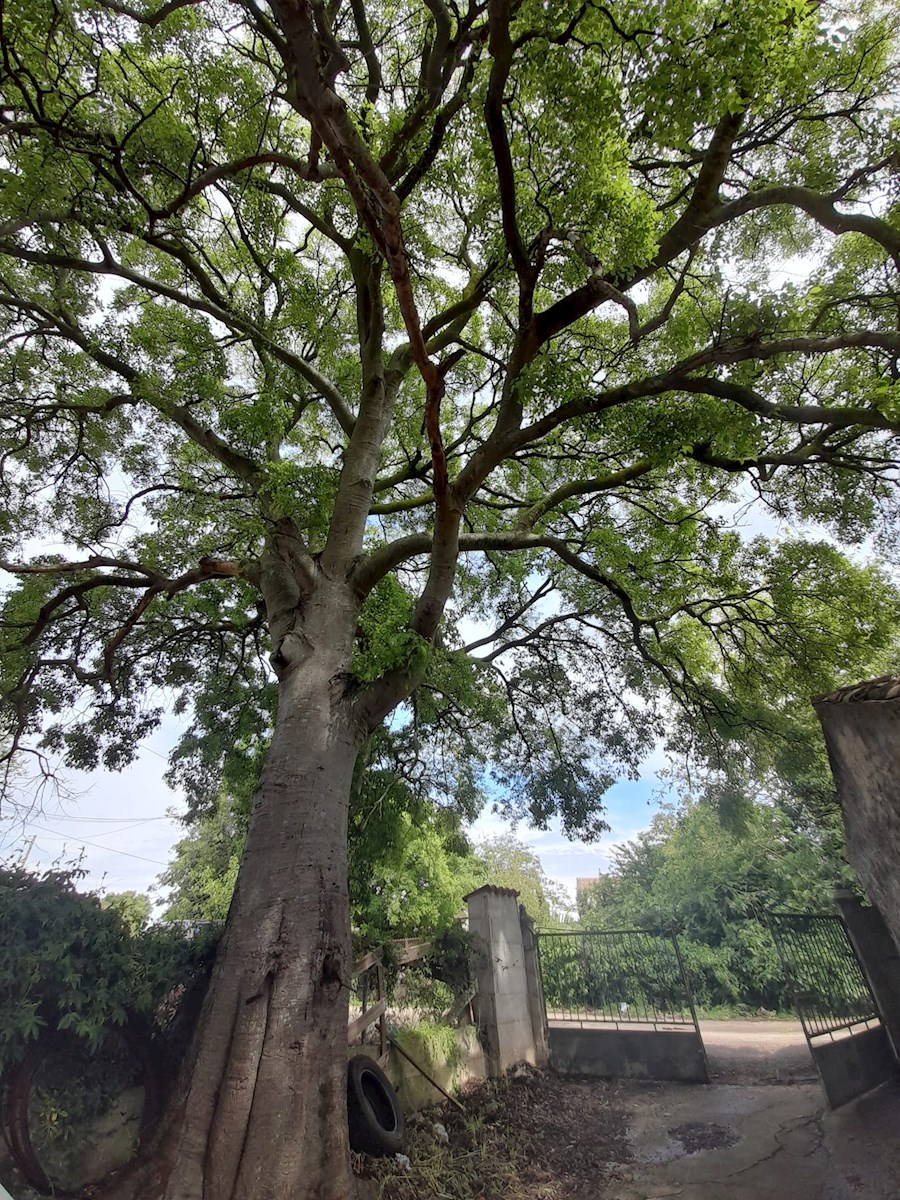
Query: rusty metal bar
{"x": 434, "y": 1083}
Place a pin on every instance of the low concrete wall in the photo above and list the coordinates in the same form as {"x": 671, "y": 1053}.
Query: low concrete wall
{"x": 452, "y": 1067}
{"x": 629, "y": 1053}
{"x": 853, "y": 1065}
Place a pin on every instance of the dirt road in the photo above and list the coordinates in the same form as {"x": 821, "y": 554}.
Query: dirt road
{"x": 746, "y": 1052}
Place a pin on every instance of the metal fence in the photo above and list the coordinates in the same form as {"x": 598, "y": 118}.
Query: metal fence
{"x": 622, "y": 976}
{"x": 831, "y": 992}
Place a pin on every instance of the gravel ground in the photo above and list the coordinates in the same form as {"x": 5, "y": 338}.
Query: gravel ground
{"x": 748, "y": 1052}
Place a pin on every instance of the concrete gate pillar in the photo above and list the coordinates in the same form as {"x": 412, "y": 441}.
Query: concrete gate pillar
{"x": 878, "y": 956}
{"x": 503, "y": 1005}
{"x": 536, "y": 1005}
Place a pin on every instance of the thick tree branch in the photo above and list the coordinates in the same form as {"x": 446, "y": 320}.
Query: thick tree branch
{"x": 354, "y": 495}
{"x": 822, "y": 210}
{"x": 228, "y": 170}
{"x": 501, "y": 49}
{"x": 151, "y": 20}
{"x": 682, "y": 235}
{"x": 581, "y": 487}
{"x": 793, "y": 414}
{"x": 311, "y": 60}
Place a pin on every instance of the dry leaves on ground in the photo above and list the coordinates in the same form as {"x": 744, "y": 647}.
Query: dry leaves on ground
{"x": 532, "y": 1136}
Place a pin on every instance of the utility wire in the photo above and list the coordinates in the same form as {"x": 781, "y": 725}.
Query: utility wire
{"x": 97, "y": 845}
{"x": 105, "y": 820}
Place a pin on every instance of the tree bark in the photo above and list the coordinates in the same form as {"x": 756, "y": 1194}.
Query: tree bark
{"x": 260, "y": 1111}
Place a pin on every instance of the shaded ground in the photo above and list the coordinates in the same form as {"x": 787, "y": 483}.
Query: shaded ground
{"x": 533, "y": 1137}
{"x": 543, "y": 1137}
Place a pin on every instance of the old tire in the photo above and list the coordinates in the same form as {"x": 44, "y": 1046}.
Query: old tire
{"x": 373, "y": 1113}
{"x": 19, "y": 1082}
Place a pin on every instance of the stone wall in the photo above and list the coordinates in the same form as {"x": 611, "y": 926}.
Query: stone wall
{"x": 862, "y": 732}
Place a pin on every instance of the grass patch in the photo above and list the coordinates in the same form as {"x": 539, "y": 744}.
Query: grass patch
{"x": 743, "y": 1012}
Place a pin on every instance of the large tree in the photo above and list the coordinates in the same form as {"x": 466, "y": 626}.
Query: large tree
{"x": 315, "y": 312}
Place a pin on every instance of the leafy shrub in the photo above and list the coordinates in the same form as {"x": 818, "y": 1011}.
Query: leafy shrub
{"x": 714, "y": 980}
{"x": 67, "y": 963}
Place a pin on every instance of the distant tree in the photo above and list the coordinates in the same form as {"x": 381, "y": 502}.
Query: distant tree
{"x": 199, "y": 881}
{"x": 713, "y": 887}
{"x": 508, "y": 862}
{"x": 133, "y": 907}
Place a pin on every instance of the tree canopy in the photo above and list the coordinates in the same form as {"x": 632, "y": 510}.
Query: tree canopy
{"x": 520, "y": 261}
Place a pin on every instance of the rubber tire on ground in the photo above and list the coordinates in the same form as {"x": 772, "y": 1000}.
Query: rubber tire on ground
{"x": 15, "y": 1089}
{"x": 373, "y": 1112}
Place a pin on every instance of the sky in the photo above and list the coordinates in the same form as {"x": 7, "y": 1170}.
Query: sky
{"x": 118, "y": 824}
{"x": 123, "y": 826}
{"x": 629, "y": 805}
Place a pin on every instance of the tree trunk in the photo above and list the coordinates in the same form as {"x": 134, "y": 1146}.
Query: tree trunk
{"x": 261, "y": 1112}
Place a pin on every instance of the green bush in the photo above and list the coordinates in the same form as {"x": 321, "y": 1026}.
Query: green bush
{"x": 67, "y": 963}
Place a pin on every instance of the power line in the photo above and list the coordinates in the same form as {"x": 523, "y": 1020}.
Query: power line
{"x": 106, "y": 820}
{"x": 97, "y": 845}
{"x": 108, "y": 832}
{"x": 150, "y": 750}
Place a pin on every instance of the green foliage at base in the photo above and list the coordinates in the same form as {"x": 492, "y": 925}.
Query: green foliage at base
{"x": 69, "y": 963}
{"x": 430, "y": 1043}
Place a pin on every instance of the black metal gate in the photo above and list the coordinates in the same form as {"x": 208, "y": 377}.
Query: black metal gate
{"x": 831, "y": 993}
{"x": 835, "y": 1004}
{"x": 621, "y": 976}
{"x": 618, "y": 1004}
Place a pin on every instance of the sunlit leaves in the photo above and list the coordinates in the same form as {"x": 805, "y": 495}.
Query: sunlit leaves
{"x": 195, "y": 312}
